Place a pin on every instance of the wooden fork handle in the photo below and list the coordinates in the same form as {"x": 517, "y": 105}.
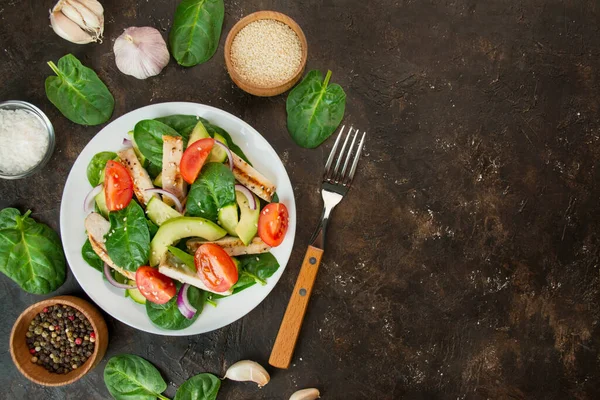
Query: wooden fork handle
{"x": 283, "y": 349}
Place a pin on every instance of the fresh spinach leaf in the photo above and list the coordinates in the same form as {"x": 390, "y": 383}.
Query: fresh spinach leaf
{"x": 252, "y": 268}
{"x": 184, "y": 257}
{"x": 184, "y": 124}
{"x": 214, "y": 188}
{"x": 78, "y": 93}
{"x": 90, "y": 256}
{"x": 128, "y": 241}
{"x": 152, "y": 228}
{"x": 315, "y": 109}
{"x": 200, "y": 387}
{"x": 168, "y": 316}
{"x": 31, "y": 253}
{"x": 148, "y": 135}
{"x": 95, "y": 168}
{"x": 196, "y": 31}
{"x": 129, "y": 377}
{"x": 261, "y": 265}
{"x": 153, "y": 169}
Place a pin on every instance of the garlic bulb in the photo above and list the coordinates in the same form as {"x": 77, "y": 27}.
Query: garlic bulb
{"x": 78, "y": 21}
{"x": 141, "y": 52}
{"x": 248, "y": 371}
{"x": 306, "y": 394}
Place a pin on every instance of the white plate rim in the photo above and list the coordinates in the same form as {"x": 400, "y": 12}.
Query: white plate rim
{"x": 71, "y": 213}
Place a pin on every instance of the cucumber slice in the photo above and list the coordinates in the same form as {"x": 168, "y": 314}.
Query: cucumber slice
{"x": 101, "y": 203}
{"x": 159, "y": 212}
{"x": 198, "y": 133}
{"x": 218, "y": 154}
{"x": 135, "y": 294}
{"x": 158, "y": 180}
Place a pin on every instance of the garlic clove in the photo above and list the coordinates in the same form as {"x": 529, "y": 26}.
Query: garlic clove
{"x": 69, "y": 30}
{"x": 93, "y": 5}
{"x": 82, "y": 16}
{"x": 141, "y": 52}
{"x": 306, "y": 394}
{"x": 246, "y": 370}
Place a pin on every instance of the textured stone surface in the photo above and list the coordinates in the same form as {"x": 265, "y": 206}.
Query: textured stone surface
{"x": 464, "y": 262}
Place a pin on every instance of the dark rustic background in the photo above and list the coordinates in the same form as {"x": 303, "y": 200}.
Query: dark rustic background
{"x": 464, "y": 262}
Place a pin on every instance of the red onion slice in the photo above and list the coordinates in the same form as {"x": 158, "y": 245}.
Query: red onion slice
{"x": 112, "y": 281}
{"x": 246, "y": 192}
{"x": 127, "y": 142}
{"x": 88, "y": 203}
{"x": 170, "y": 195}
{"x": 229, "y": 154}
{"x": 183, "y": 303}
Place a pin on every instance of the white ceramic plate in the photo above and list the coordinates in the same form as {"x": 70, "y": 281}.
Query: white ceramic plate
{"x": 72, "y": 217}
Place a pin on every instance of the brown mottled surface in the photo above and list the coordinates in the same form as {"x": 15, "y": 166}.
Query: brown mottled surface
{"x": 464, "y": 262}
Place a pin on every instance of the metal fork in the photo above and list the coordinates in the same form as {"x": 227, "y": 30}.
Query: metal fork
{"x": 336, "y": 183}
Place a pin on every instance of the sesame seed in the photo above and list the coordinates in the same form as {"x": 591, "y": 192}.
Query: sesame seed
{"x": 266, "y": 52}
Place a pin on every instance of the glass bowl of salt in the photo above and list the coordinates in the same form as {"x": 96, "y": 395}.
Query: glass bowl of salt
{"x": 26, "y": 137}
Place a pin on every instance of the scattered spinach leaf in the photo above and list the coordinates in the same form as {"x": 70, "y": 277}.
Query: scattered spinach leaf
{"x": 78, "y": 93}
{"x": 90, "y": 256}
{"x": 214, "y": 188}
{"x": 128, "y": 243}
{"x": 315, "y": 109}
{"x": 129, "y": 377}
{"x": 148, "y": 135}
{"x": 95, "y": 168}
{"x": 31, "y": 253}
{"x": 168, "y": 316}
{"x": 196, "y": 31}
{"x": 200, "y": 387}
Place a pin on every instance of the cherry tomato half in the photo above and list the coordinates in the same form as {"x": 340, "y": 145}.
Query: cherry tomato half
{"x": 118, "y": 186}
{"x": 194, "y": 157}
{"x": 215, "y": 267}
{"x": 154, "y": 286}
{"x": 273, "y": 224}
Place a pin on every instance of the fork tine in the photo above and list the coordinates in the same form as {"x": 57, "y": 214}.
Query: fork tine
{"x": 343, "y": 173}
{"x": 332, "y": 153}
{"x": 356, "y": 157}
{"x": 341, "y": 156}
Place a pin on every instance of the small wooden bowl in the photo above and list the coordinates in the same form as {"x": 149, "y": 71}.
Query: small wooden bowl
{"x": 252, "y": 88}
{"x": 38, "y": 374}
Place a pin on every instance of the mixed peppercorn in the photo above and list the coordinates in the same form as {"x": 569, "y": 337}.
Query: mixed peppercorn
{"x": 60, "y": 339}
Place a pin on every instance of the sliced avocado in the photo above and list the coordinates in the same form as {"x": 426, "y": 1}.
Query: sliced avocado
{"x": 159, "y": 212}
{"x": 158, "y": 180}
{"x": 138, "y": 153}
{"x": 179, "y": 228}
{"x": 199, "y": 132}
{"x": 228, "y": 218}
{"x": 248, "y": 226}
{"x": 135, "y": 294}
{"x": 101, "y": 202}
{"x": 218, "y": 154}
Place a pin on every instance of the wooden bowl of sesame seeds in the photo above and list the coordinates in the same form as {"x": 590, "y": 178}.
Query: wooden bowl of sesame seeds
{"x": 265, "y": 53}
{"x": 38, "y": 374}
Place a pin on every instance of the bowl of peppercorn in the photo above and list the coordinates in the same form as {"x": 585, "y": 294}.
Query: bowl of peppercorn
{"x": 57, "y": 341}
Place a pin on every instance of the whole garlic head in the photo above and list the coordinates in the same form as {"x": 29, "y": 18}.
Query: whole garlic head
{"x": 141, "y": 52}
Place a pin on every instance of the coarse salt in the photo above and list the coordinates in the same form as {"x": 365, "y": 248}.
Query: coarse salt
{"x": 24, "y": 141}
{"x": 266, "y": 52}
